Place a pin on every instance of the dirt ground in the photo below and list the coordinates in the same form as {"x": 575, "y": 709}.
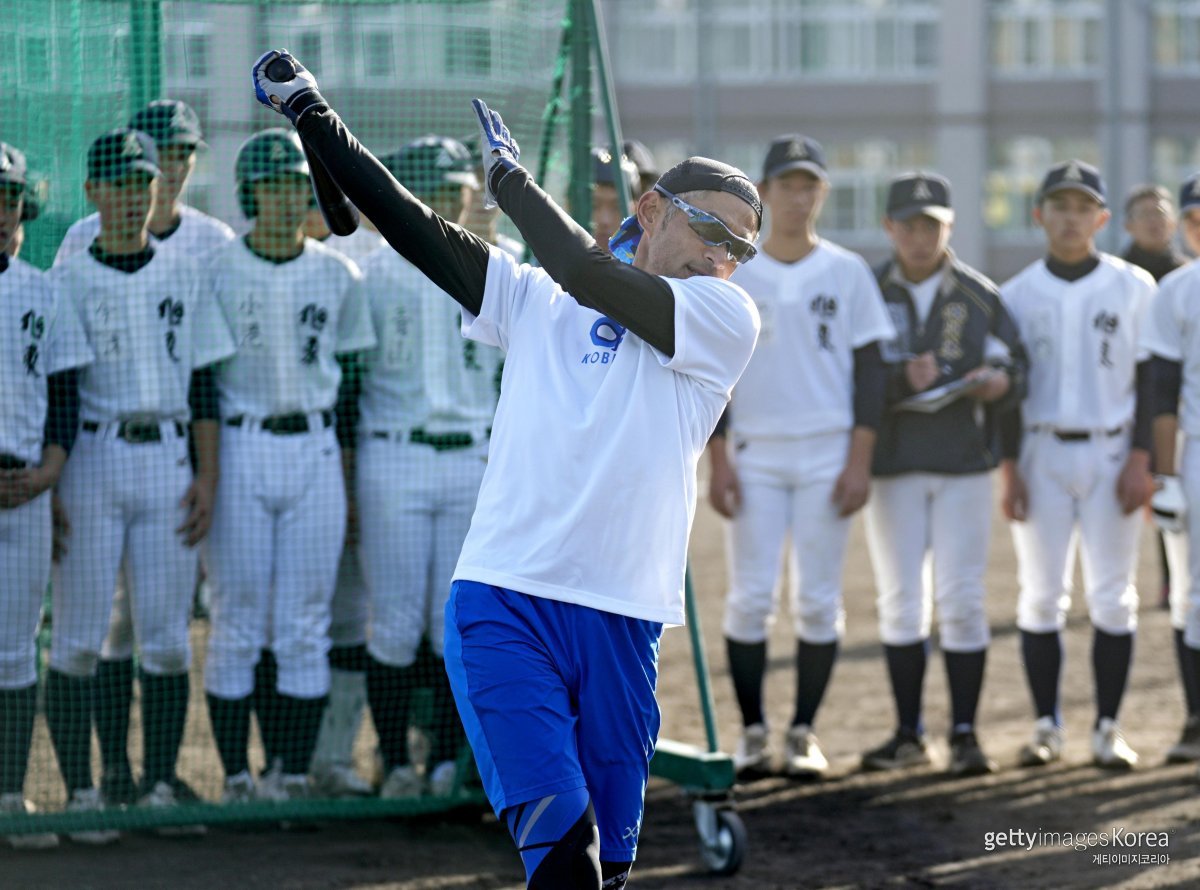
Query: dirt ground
{"x": 916, "y": 829}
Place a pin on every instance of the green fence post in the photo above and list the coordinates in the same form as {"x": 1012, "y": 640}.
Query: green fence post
{"x": 145, "y": 51}
{"x": 580, "y": 191}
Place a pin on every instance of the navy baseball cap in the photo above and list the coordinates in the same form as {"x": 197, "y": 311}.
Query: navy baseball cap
{"x": 12, "y": 166}
{"x": 1189, "y": 193}
{"x": 120, "y": 152}
{"x": 794, "y": 152}
{"x": 919, "y": 194}
{"x": 641, "y": 157}
{"x": 602, "y": 172}
{"x": 1074, "y": 174}
{"x": 431, "y": 161}
{"x": 698, "y": 174}
{"x": 168, "y": 122}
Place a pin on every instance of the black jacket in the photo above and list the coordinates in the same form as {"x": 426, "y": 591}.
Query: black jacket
{"x": 962, "y": 437}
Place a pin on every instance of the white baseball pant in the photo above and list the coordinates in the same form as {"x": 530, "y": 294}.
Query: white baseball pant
{"x": 25, "y": 541}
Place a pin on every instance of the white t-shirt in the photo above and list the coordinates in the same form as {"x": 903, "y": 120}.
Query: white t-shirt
{"x": 815, "y": 313}
{"x": 289, "y": 320}
{"x": 590, "y": 487}
{"x": 422, "y": 373}
{"x": 923, "y": 296}
{"x": 1172, "y": 331}
{"x": 149, "y": 329}
{"x": 1083, "y": 342}
{"x": 41, "y": 334}
{"x": 198, "y": 235}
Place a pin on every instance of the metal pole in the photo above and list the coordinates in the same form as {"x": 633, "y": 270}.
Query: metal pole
{"x": 608, "y": 97}
{"x": 704, "y": 96}
{"x": 1114, "y": 161}
{"x": 554, "y": 107}
{"x": 145, "y": 51}
{"x": 580, "y": 190}
{"x": 707, "y": 707}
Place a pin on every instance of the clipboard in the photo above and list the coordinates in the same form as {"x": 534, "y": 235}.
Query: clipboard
{"x": 933, "y": 400}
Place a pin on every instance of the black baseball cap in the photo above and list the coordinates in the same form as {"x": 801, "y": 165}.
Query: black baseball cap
{"x": 168, "y": 122}
{"x": 641, "y": 157}
{"x": 602, "y": 171}
{"x": 698, "y": 174}
{"x": 1074, "y": 174}
{"x": 12, "y": 166}
{"x": 794, "y": 152}
{"x": 120, "y": 152}
{"x": 1189, "y": 193}
{"x": 431, "y": 161}
{"x": 916, "y": 194}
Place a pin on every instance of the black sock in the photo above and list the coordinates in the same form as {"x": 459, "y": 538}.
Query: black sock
{"x": 906, "y": 669}
{"x": 964, "y": 676}
{"x": 164, "y": 714}
{"x": 1111, "y": 656}
{"x": 747, "y": 667}
{"x": 814, "y": 664}
{"x": 266, "y": 706}
{"x": 230, "y": 718}
{"x": 348, "y": 658}
{"x": 447, "y": 730}
{"x": 300, "y": 720}
{"x": 1164, "y": 563}
{"x": 1187, "y": 675}
{"x": 17, "y": 710}
{"x": 111, "y": 701}
{"x": 389, "y": 692}
{"x": 69, "y": 716}
{"x": 1043, "y": 656}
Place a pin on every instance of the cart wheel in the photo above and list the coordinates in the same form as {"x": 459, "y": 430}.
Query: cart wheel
{"x": 722, "y": 838}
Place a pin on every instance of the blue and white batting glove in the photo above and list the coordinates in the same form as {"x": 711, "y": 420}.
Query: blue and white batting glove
{"x": 284, "y": 85}
{"x": 500, "y": 151}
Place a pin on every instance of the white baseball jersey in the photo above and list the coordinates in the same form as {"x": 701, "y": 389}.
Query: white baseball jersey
{"x": 42, "y": 335}
{"x": 1083, "y": 342}
{"x": 288, "y": 321}
{"x": 356, "y": 246}
{"x": 815, "y": 313}
{"x": 422, "y": 373}
{"x": 1172, "y": 331}
{"x": 198, "y": 234}
{"x": 590, "y": 487}
{"x": 149, "y": 329}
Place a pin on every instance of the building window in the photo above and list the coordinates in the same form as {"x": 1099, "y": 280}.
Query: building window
{"x": 1177, "y": 35}
{"x": 1015, "y": 173}
{"x": 308, "y": 47}
{"x": 468, "y": 52}
{"x": 36, "y": 66}
{"x": 379, "y": 59}
{"x": 1174, "y": 159}
{"x": 197, "y": 55}
{"x": 1040, "y": 37}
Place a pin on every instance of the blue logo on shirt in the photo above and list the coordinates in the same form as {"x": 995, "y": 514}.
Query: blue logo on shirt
{"x": 606, "y": 334}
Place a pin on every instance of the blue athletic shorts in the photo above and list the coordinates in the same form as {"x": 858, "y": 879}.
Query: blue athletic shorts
{"x": 554, "y": 697}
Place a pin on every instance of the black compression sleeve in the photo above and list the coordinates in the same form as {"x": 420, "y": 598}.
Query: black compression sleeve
{"x": 1143, "y": 410}
{"x": 202, "y": 394}
{"x": 722, "y": 427}
{"x": 62, "y": 412}
{"x": 448, "y": 255}
{"x": 349, "y": 390}
{"x": 1011, "y": 430}
{"x": 1168, "y": 383}
{"x": 870, "y": 385}
{"x": 639, "y": 301}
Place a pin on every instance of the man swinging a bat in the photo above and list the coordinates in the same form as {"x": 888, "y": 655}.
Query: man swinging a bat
{"x": 616, "y": 373}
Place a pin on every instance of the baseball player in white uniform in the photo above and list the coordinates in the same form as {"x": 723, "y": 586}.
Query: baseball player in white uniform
{"x": 427, "y": 404}
{"x": 173, "y": 227}
{"x": 1080, "y": 473}
{"x": 796, "y": 463}
{"x": 278, "y": 530}
{"x": 614, "y": 378}
{"x": 44, "y": 348}
{"x": 128, "y": 490}
{"x": 927, "y": 524}
{"x": 1170, "y": 336}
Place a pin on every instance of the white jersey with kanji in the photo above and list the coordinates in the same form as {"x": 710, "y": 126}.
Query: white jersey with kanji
{"x": 1172, "y": 331}
{"x": 198, "y": 235}
{"x": 356, "y": 246}
{"x": 1083, "y": 342}
{"x": 289, "y": 320}
{"x": 422, "y": 373}
{"x": 149, "y": 329}
{"x": 42, "y": 335}
{"x": 590, "y": 488}
{"x": 815, "y": 313}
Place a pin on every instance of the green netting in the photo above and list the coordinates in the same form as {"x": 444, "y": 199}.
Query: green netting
{"x": 395, "y": 71}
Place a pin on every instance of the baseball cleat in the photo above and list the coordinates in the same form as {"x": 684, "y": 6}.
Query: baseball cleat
{"x": 14, "y": 804}
{"x": 903, "y": 750}
{"x": 1046, "y": 746}
{"x": 1109, "y": 748}
{"x": 239, "y": 788}
{"x": 1187, "y": 749}
{"x": 161, "y": 796}
{"x": 277, "y": 786}
{"x": 442, "y": 779}
{"x": 402, "y": 782}
{"x": 117, "y": 786}
{"x": 802, "y": 754}
{"x": 338, "y": 780}
{"x": 752, "y": 758}
{"x": 88, "y": 800}
{"x": 967, "y": 758}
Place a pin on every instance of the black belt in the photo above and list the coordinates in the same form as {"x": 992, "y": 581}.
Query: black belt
{"x": 135, "y": 432}
{"x": 1085, "y": 435}
{"x": 10, "y": 462}
{"x": 436, "y": 441}
{"x": 284, "y": 424}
